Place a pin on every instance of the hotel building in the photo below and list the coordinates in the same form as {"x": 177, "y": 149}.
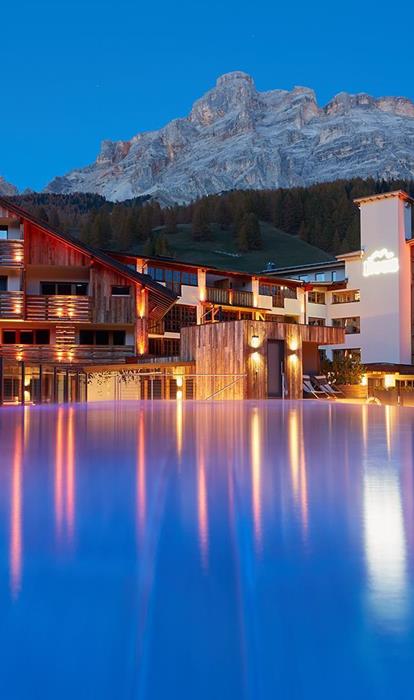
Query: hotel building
{"x": 77, "y": 323}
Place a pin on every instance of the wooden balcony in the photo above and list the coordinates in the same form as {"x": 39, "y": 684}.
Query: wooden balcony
{"x": 11, "y": 305}
{"x": 68, "y": 354}
{"x": 241, "y": 298}
{"x": 58, "y": 307}
{"x": 229, "y": 297}
{"x": 11, "y": 253}
{"x": 217, "y": 295}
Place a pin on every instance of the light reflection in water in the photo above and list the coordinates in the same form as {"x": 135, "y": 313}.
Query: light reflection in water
{"x": 141, "y": 476}
{"x": 65, "y": 472}
{"x": 385, "y": 539}
{"x": 202, "y": 509}
{"x": 16, "y": 514}
{"x": 298, "y": 464}
{"x": 256, "y": 458}
{"x": 70, "y": 470}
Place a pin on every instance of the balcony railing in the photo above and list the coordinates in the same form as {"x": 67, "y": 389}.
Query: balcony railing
{"x": 241, "y": 298}
{"x": 58, "y": 307}
{"x": 11, "y": 305}
{"x": 229, "y": 297}
{"x": 217, "y": 295}
{"x": 11, "y": 253}
{"x": 56, "y": 354}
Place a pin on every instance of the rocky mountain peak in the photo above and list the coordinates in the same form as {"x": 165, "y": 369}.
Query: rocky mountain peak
{"x": 7, "y": 189}
{"x": 238, "y": 137}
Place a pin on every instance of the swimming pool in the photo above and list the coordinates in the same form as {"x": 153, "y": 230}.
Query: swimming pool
{"x": 206, "y": 550}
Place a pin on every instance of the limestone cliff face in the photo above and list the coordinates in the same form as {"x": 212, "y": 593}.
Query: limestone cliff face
{"x": 237, "y": 137}
{"x": 6, "y": 189}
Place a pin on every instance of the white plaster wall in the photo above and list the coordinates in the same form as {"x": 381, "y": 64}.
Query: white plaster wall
{"x": 385, "y": 305}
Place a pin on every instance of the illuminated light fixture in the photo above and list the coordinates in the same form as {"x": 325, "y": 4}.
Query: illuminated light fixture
{"x": 380, "y": 262}
{"x": 364, "y": 380}
{"x": 293, "y": 358}
{"x": 179, "y": 395}
{"x": 255, "y": 357}
{"x": 389, "y": 381}
{"x": 179, "y": 380}
{"x": 255, "y": 341}
{"x": 293, "y": 345}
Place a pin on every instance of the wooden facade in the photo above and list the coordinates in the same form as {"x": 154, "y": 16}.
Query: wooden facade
{"x": 63, "y": 304}
{"x": 234, "y": 354}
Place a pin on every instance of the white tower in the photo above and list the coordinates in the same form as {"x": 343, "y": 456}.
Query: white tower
{"x": 385, "y": 278}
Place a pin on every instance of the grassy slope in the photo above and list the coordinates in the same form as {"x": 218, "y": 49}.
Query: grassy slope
{"x": 278, "y": 247}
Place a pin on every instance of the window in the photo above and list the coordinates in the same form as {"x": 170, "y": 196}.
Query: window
{"x": 320, "y": 277}
{"x": 64, "y": 288}
{"x": 27, "y": 337}
{"x": 163, "y": 347}
{"x": 313, "y": 321}
{"x": 173, "y": 278}
{"x": 316, "y": 297}
{"x": 180, "y": 316}
{"x": 3, "y": 233}
{"x": 351, "y": 324}
{"x": 120, "y": 291}
{"x": 101, "y": 337}
{"x": 9, "y": 337}
{"x": 3, "y": 284}
{"x": 334, "y": 276}
{"x": 346, "y": 297}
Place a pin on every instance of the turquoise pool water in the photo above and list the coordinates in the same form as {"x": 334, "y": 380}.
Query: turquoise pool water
{"x": 206, "y": 551}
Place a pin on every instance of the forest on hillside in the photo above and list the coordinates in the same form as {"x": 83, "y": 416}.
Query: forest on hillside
{"x": 323, "y": 215}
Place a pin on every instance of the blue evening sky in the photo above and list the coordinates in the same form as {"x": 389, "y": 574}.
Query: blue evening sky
{"x": 76, "y": 72}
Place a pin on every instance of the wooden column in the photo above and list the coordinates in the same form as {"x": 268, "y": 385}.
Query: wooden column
{"x": 293, "y": 362}
{"x": 141, "y": 323}
{"x": 202, "y": 293}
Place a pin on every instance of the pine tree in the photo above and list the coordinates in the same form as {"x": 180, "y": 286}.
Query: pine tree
{"x": 242, "y": 238}
{"x": 254, "y": 234}
{"x": 162, "y": 247}
{"x": 200, "y": 225}
{"x": 223, "y": 214}
{"x": 170, "y": 220}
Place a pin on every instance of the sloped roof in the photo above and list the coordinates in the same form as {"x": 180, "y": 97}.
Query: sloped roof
{"x": 162, "y": 297}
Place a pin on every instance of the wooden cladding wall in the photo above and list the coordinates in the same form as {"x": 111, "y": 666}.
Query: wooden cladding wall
{"x": 105, "y": 307}
{"x": 43, "y": 249}
{"x": 234, "y": 348}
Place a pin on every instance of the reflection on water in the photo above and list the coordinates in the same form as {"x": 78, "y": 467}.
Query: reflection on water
{"x": 385, "y": 540}
{"x": 256, "y": 443}
{"x": 16, "y": 513}
{"x": 207, "y": 547}
{"x": 65, "y": 472}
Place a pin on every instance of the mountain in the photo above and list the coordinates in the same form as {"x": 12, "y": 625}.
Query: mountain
{"x": 238, "y": 138}
{"x": 6, "y": 189}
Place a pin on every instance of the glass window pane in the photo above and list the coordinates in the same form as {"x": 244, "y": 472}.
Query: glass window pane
{"x": 47, "y": 288}
{"x": 9, "y": 337}
{"x": 102, "y": 337}
{"x": 64, "y": 288}
{"x": 81, "y": 289}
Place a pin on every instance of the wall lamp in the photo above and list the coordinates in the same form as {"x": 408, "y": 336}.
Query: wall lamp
{"x": 255, "y": 341}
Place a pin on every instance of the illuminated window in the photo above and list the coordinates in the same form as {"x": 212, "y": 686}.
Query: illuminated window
{"x": 346, "y": 297}
{"x": 4, "y": 233}
{"x": 316, "y": 297}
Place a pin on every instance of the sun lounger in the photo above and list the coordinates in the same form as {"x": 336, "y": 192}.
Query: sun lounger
{"x": 310, "y": 390}
{"x": 322, "y": 382}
